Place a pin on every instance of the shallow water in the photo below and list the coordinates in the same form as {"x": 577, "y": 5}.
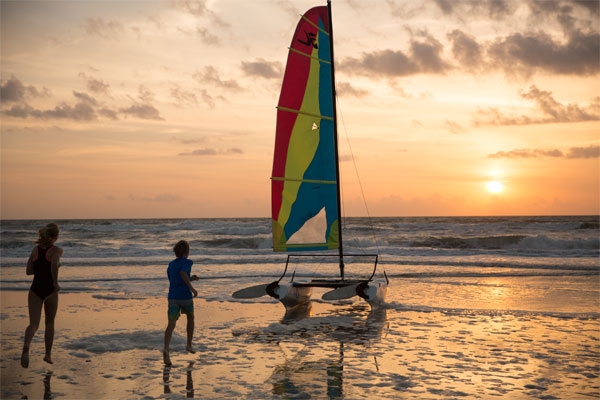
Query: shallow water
{"x": 111, "y": 348}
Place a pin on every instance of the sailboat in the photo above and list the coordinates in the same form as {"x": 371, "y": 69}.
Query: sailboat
{"x": 305, "y": 181}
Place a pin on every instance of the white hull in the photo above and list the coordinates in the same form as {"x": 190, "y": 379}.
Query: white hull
{"x": 373, "y": 293}
{"x": 292, "y": 296}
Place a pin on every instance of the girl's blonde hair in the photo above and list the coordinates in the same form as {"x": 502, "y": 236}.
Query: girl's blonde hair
{"x": 48, "y": 234}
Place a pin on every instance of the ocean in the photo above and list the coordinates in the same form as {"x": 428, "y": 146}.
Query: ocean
{"x": 430, "y": 261}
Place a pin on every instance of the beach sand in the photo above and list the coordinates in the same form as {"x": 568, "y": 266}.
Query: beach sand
{"x": 107, "y": 347}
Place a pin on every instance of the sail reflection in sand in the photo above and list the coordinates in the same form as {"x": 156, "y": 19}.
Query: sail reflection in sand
{"x": 317, "y": 369}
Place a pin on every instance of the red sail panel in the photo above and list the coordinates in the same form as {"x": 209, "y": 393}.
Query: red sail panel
{"x": 292, "y": 93}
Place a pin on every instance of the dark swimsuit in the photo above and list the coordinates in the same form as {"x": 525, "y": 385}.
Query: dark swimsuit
{"x": 43, "y": 283}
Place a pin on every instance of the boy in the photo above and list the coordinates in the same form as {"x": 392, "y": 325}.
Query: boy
{"x": 180, "y": 296}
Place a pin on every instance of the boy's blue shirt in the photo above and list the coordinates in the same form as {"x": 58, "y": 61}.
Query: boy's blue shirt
{"x": 178, "y": 290}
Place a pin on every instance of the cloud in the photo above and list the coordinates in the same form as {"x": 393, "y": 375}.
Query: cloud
{"x": 454, "y": 127}
{"x": 466, "y": 50}
{"x": 208, "y": 99}
{"x": 212, "y": 152}
{"x": 108, "y": 113}
{"x": 561, "y": 37}
{"x": 527, "y": 153}
{"x": 207, "y": 37}
{"x": 199, "y": 9}
{"x": 424, "y": 56}
{"x": 143, "y": 111}
{"x": 570, "y": 15}
{"x": 81, "y": 111}
{"x": 574, "y": 51}
{"x": 145, "y": 94}
{"x": 211, "y": 76}
{"x": 201, "y": 152}
{"x": 86, "y": 107}
{"x": 592, "y": 151}
{"x": 183, "y": 97}
{"x": 13, "y": 90}
{"x": 263, "y": 68}
{"x": 85, "y": 98}
{"x": 95, "y": 85}
{"x": 103, "y": 29}
{"x": 592, "y": 6}
{"x": 188, "y": 141}
{"x": 345, "y": 88}
{"x": 551, "y": 110}
{"x": 525, "y": 53}
{"x": 496, "y": 9}
{"x": 202, "y": 15}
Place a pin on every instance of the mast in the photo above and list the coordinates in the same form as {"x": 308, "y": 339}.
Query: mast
{"x": 335, "y": 141}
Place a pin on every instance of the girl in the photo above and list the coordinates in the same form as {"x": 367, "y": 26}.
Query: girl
{"x": 43, "y": 264}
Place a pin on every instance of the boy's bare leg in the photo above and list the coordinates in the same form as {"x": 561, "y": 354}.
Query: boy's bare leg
{"x": 168, "y": 334}
{"x": 190, "y": 333}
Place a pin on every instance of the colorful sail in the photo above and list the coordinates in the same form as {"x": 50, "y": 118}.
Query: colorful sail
{"x": 304, "y": 186}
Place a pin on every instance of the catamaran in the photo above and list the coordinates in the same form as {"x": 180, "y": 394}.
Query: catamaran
{"x": 305, "y": 181}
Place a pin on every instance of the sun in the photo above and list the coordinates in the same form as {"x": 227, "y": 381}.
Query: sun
{"x": 494, "y": 187}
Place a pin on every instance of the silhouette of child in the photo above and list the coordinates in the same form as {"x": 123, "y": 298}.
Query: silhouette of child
{"x": 181, "y": 294}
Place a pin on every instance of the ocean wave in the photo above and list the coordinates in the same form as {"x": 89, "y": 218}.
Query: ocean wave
{"x": 487, "y": 242}
{"x": 521, "y": 243}
{"x": 435, "y": 240}
{"x": 255, "y": 242}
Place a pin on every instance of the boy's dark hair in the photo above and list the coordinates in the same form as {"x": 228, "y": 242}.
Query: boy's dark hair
{"x": 182, "y": 248}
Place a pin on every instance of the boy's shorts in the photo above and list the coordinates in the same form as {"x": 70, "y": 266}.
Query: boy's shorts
{"x": 178, "y": 307}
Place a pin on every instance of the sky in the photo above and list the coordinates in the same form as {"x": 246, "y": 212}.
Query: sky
{"x": 166, "y": 109}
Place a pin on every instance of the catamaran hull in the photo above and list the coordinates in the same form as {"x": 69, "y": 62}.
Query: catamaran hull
{"x": 289, "y": 295}
{"x": 292, "y": 296}
{"x": 373, "y": 293}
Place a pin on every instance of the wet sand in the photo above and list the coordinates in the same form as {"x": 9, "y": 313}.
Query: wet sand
{"x": 110, "y": 348}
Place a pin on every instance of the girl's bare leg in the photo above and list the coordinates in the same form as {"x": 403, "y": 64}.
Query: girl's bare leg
{"x": 50, "y": 308}
{"x": 35, "y": 314}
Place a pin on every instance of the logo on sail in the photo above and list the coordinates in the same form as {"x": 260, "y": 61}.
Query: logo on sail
{"x": 311, "y": 40}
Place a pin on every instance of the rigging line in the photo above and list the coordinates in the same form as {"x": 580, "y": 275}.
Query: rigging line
{"x": 362, "y": 192}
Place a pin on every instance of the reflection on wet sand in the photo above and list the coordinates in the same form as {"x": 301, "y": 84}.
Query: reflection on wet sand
{"x": 166, "y": 379}
{"x": 297, "y": 313}
{"x": 189, "y": 383}
{"x": 47, "y": 389}
{"x": 319, "y": 370}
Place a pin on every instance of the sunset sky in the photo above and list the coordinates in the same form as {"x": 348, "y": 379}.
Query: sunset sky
{"x": 142, "y": 109}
